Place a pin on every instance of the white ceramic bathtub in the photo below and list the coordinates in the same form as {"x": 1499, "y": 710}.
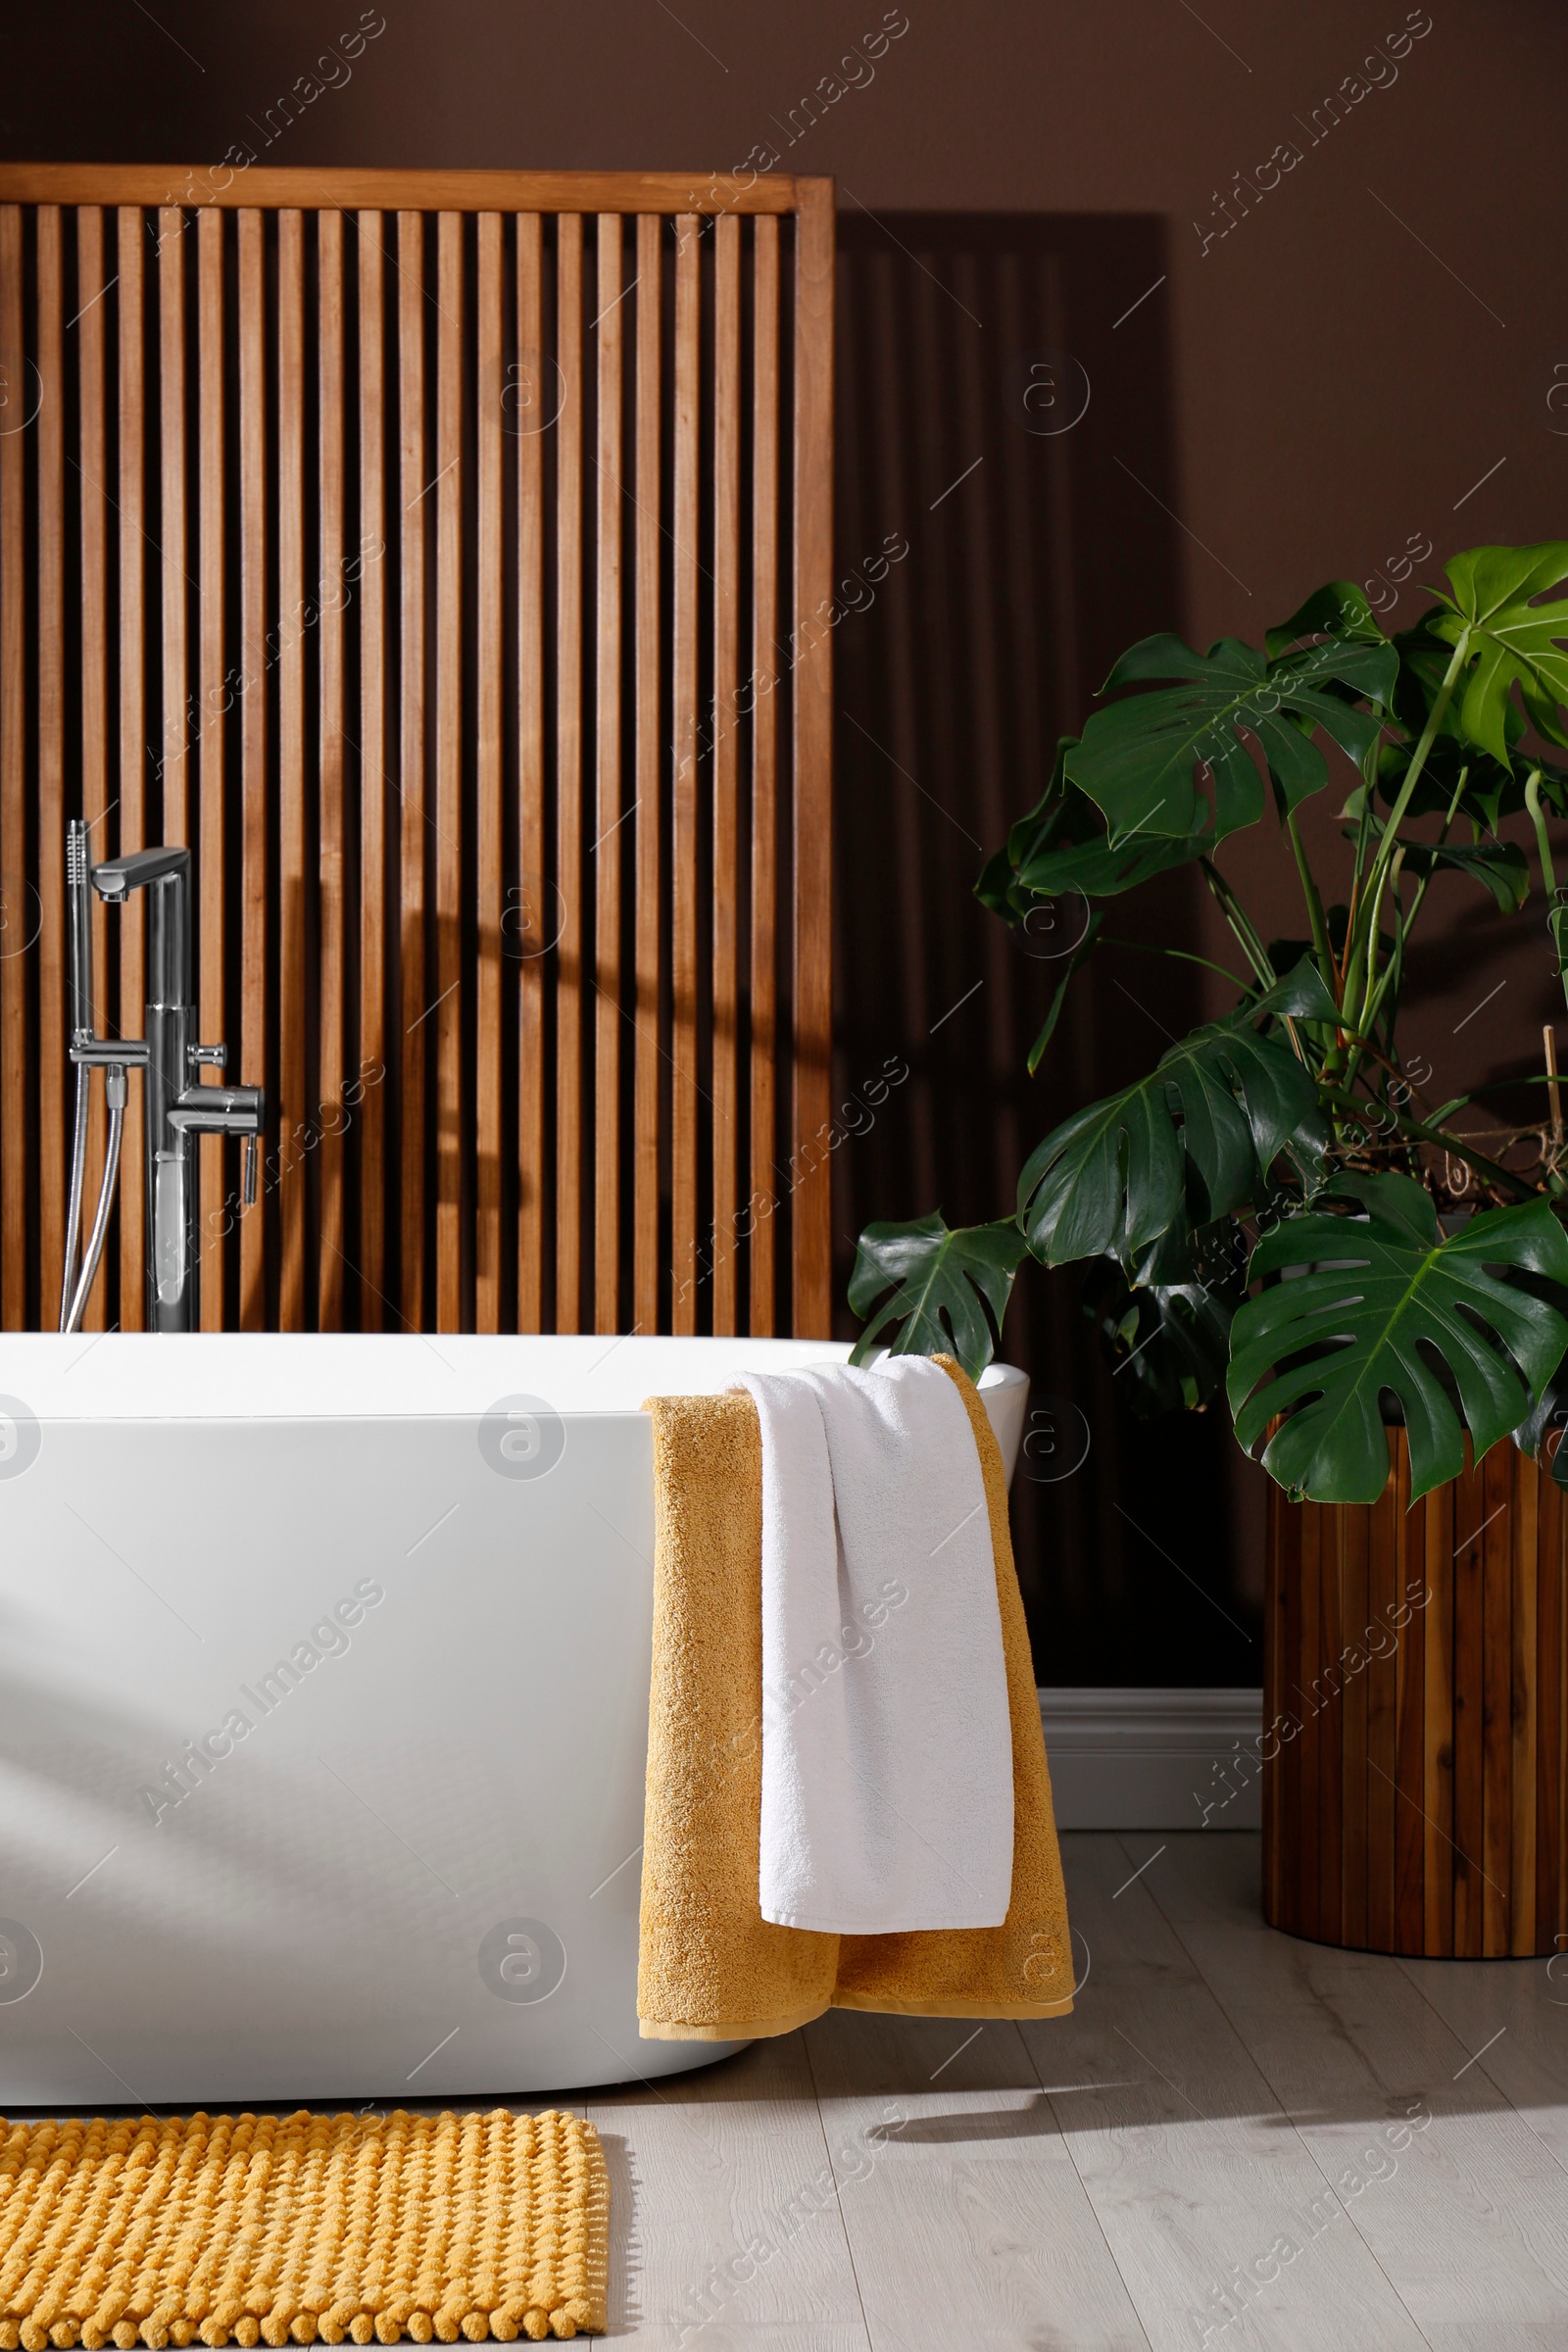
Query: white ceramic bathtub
{"x": 323, "y": 1710}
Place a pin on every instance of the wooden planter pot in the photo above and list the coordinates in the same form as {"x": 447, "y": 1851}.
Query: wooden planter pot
{"x": 1415, "y": 1741}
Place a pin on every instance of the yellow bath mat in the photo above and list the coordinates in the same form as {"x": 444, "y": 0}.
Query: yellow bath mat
{"x": 285, "y": 2228}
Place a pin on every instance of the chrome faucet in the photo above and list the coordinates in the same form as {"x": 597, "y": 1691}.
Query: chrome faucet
{"x": 177, "y": 1104}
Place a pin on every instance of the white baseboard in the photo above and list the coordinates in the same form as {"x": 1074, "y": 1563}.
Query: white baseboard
{"x": 1153, "y": 1759}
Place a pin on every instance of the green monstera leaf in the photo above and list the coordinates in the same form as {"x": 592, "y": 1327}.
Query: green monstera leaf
{"x": 1512, "y": 641}
{"x": 1219, "y": 1107}
{"x": 1376, "y": 1299}
{"x": 923, "y": 1290}
{"x": 1058, "y": 861}
{"x": 1142, "y": 759}
{"x": 1460, "y": 781}
{"x": 1501, "y": 865}
{"x": 1167, "y": 1343}
{"x": 1063, "y": 846}
{"x": 1340, "y": 610}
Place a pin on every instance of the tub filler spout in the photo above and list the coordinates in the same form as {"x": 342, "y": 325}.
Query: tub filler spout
{"x": 177, "y": 1104}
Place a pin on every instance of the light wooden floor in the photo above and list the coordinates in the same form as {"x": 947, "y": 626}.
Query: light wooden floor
{"x": 1221, "y": 2093}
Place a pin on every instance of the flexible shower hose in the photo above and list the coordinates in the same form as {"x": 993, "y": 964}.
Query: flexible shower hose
{"x": 79, "y": 1172}
{"x": 115, "y": 1095}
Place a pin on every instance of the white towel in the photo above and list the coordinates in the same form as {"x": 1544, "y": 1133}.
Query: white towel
{"x": 887, "y": 1752}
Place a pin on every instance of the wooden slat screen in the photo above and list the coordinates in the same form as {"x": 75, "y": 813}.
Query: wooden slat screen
{"x": 443, "y": 556}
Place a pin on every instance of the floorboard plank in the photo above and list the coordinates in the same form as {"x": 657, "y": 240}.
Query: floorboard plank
{"x": 1196, "y": 2175}
{"x": 724, "y": 2227}
{"x": 1469, "y": 2216}
{"x": 1516, "y": 2013}
{"x": 965, "y": 2215}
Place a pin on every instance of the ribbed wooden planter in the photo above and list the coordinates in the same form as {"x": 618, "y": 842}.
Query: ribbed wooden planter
{"x": 1415, "y": 1743}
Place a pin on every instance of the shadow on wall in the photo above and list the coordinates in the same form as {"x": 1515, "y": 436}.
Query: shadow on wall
{"x": 1004, "y": 413}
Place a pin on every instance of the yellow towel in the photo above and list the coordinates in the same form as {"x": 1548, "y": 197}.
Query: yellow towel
{"x": 710, "y": 1967}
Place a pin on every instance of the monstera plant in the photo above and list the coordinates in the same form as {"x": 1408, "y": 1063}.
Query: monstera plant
{"x": 1277, "y": 1206}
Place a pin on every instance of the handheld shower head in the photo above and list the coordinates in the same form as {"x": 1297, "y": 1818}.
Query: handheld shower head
{"x": 79, "y": 891}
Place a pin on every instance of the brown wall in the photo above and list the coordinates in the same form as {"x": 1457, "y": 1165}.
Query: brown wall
{"x": 1301, "y": 396}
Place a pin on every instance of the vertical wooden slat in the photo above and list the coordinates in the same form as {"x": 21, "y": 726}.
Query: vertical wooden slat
{"x": 172, "y": 530}
{"x": 1469, "y": 1718}
{"x": 1273, "y": 1665}
{"x": 370, "y": 1083}
{"x": 173, "y": 536}
{"x": 568, "y": 772}
{"x": 1355, "y": 1543}
{"x": 763, "y": 700}
{"x": 56, "y": 1083}
{"x": 414, "y": 483}
{"x": 1555, "y": 1920}
{"x": 684, "y": 850}
{"x": 292, "y": 1108}
{"x": 645, "y": 1147}
{"x": 1381, "y": 1639}
{"x": 1283, "y": 1540}
{"x": 13, "y": 1250}
{"x": 813, "y": 1204}
{"x": 1549, "y": 1704}
{"x": 726, "y": 766}
{"x": 1437, "y": 1804}
{"x": 488, "y": 616}
{"x": 1308, "y": 1839}
{"x": 610, "y": 317}
{"x": 1283, "y": 1708}
{"x": 529, "y": 912}
{"x": 329, "y": 597}
{"x": 1409, "y": 1826}
{"x": 89, "y": 324}
{"x": 253, "y": 529}
{"x": 1332, "y": 1634}
{"x": 449, "y": 728}
{"x": 1527, "y": 1676}
{"x": 214, "y": 1156}
{"x": 133, "y": 811}
{"x": 1554, "y": 1906}
{"x": 1497, "y": 1699}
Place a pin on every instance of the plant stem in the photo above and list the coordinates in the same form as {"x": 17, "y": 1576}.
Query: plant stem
{"x": 1537, "y": 818}
{"x": 1235, "y": 915}
{"x": 1369, "y": 1010}
{"x": 1549, "y": 872}
{"x": 1423, "y": 885}
{"x": 1314, "y": 910}
{"x": 1367, "y": 1045}
{"x": 1362, "y": 835}
{"x": 1424, "y": 881}
{"x": 1373, "y": 896}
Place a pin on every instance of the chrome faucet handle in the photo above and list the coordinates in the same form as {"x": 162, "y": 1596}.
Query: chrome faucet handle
{"x": 218, "y": 1110}
{"x": 248, "y": 1179}
{"x": 211, "y": 1057}
{"x": 117, "y": 878}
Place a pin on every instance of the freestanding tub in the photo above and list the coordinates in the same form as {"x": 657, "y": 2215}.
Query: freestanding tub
{"x": 323, "y": 1710}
